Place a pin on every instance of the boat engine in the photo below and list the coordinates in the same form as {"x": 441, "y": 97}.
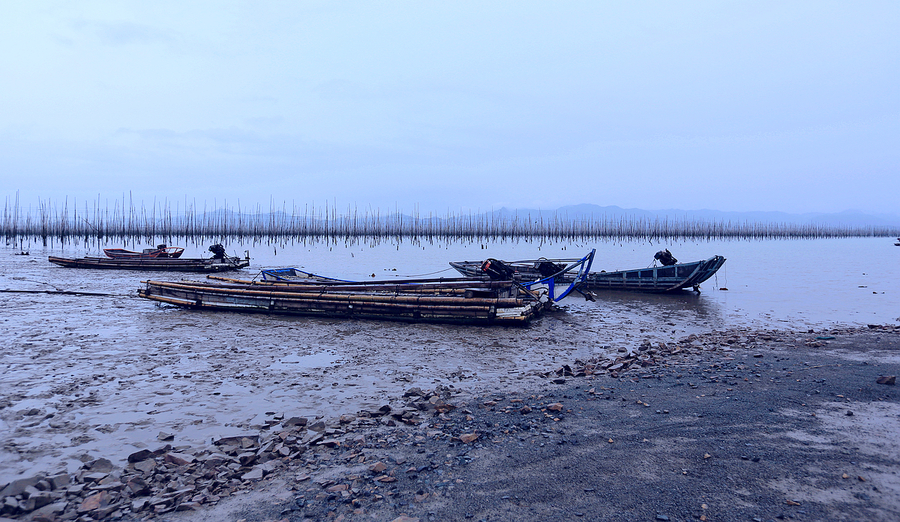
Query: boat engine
{"x": 665, "y": 257}
{"x": 548, "y": 268}
{"x": 218, "y": 251}
{"x": 497, "y": 270}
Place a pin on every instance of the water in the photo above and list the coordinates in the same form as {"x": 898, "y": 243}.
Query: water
{"x": 101, "y": 376}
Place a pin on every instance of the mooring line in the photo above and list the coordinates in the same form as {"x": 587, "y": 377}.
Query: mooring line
{"x": 63, "y": 292}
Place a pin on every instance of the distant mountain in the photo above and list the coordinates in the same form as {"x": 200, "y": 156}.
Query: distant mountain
{"x": 847, "y": 218}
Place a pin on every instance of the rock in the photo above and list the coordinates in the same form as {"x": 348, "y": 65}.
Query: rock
{"x": 256, "y": 473}
{"x": 145, "y": 466}
{"x": 138, "y": 456}
{"x": 17, "y": 487}
{"x": 38, "y": 500}
{"x": 94, "y": 476}
{"x": 238, "y": 440}
{"x": 414, "y": 392}
{"x": 94, "y": 502}
{"x": 887, "y": 379}
{"x": 49, "y": 512}
{"x": 468, "y": 437}
{"x": 59, "y": 481}
{"x": 317, "y": 426}
{"x": 295, "y": 421}
{"x": 555, "y": 406}
{"x": 188, "y": 506}
{"x": 179, "y": 459}
{"x": 163, "y": 436}
{"x": 138, "y": 487}
{"x": 378, "y": 467}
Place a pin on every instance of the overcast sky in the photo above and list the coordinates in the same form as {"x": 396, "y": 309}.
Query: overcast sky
{"x": 786, "y": 105}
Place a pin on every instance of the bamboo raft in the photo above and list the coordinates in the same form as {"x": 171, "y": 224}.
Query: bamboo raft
{"x": 458, "y": 301}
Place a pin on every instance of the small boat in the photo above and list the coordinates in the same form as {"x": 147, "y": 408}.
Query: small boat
{"x": 161, "y": 251}
{"x": 665, "y": 278}
{"x": 458, "y": 301}
{"x": 571, "y": 275}
{"x": 438, "y": 300}
{"x": 220, "y": 262}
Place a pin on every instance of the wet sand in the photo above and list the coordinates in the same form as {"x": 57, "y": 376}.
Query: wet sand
{"x": 788, "y": 426}
{"x": 732, "y": 425}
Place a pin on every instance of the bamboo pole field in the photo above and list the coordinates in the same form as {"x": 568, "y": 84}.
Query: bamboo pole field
{"x": 123, "y": 221}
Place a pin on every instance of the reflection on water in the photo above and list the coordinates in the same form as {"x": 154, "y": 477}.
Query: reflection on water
{"x": 104, "y": 375}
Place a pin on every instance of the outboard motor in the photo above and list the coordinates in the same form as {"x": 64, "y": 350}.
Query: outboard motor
{"x": 548, "y": 268}
{"x": 218, "y": 251}
{"x": 497, "y": 270}
{"x": 665, "y": 257}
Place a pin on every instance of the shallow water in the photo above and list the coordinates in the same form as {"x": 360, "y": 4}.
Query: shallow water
{"x": 101, "y": 376}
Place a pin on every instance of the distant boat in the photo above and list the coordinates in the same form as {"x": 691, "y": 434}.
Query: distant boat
{"x": 161, "y": 251}
{"x": 666, "y": 278}
{"x": 220, "y": 262}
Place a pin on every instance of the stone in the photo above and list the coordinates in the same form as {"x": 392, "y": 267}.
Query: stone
{"x": 94, "y": 502}
{"x": 296, "y": 421}
{"x": 468, "y": 437}
{"x": 49, "y": 512}
{"x": 378, "y": 467}
{"x": 163, "y": 436}
{"x": 145, "y": 466}
{"x": 138, "y": 456}
{"x": 59, "y": 481}
{"x": 100, "y": 466}
{"x": 17, "y": 487}
{"x": 886, "y": 379}
{"x": 138, "y": 487}
{"x": 94, "y": 476}
{"x": 253, "y": 474}
{"x": 38, "y": 500}
{"x": 179, "y": 459}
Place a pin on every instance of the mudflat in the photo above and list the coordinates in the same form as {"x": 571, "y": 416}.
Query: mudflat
{"x": 723, "y": 426}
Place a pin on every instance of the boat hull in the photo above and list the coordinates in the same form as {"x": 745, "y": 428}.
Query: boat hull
{"x": 461, "y": 303}
{"x": 654, "y": 279}
{"x": 154, "y": 264}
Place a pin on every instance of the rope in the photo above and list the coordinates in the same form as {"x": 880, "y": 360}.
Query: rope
{"x": 62, "y": 292}
{"x": 428, "y": 274}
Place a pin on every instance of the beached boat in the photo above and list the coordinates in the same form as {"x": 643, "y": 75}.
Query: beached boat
{"x": 220, "y": 262}
{"x": 161, "y": 251}
{"x": 557, "y": 282}
{"x": 461, "y": 301}
{"x": 665, "y": 278}
{"x": 440, "y": 300}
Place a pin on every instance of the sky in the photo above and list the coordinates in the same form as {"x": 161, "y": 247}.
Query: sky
{"x": 789, "y": 106}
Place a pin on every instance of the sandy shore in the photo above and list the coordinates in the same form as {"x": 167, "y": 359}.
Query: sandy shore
{"x": 721, "y": 426}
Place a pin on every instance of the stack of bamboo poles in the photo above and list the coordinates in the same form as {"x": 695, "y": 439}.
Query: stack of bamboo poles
{"x": 462, "y": 301}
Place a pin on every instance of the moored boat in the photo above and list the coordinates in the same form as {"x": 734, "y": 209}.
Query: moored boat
{"x": 161, "y": 251}
{"x": 439, "y": 300}
{"x": 220, "y": 262}
{"x": 461, "y": 301}
{"x": 665, "y": 278}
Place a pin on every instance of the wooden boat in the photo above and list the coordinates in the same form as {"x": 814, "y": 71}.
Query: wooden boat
{"x": 218, "y": 263}
{"x": 439, "y": 300}
{"x": 664, "y": 278}
{"x": 161, "y": 251}
{"x": 571, "y": 276}
{"x": 460, "y": 301}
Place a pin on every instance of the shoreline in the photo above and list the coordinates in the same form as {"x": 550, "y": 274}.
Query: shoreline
{"x": 733, "y": 421}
